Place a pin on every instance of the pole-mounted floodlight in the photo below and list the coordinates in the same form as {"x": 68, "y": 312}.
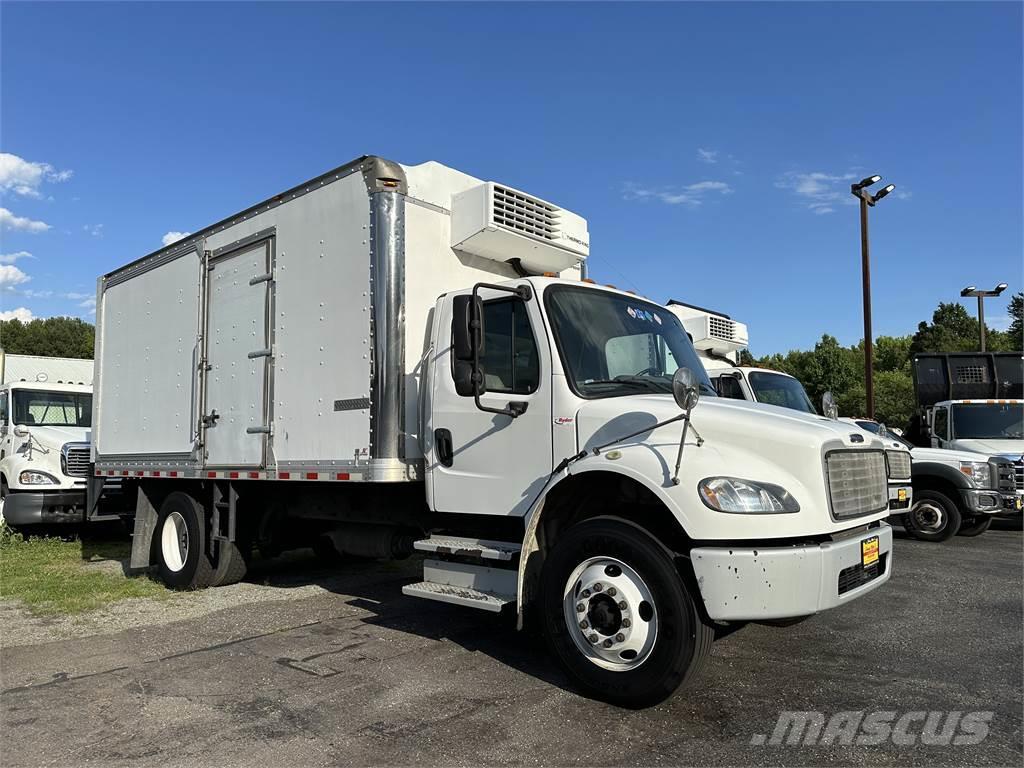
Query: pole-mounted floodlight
{"x": 860, "y": 191}
{"x": 971, "y": 290}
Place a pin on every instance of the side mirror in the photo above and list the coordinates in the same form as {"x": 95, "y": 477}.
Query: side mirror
{"x": 828, "y": 406}
{"x": 685, "y": 388}
{"x": 467, "y": 328}
{"x": 469, "y": 381}
{"x": 20, "y": 430}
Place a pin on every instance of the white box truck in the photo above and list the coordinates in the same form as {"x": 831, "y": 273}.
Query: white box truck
{"x": 397, "y": 357}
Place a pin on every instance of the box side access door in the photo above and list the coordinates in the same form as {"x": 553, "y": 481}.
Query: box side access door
{"x": 239, "y": 358}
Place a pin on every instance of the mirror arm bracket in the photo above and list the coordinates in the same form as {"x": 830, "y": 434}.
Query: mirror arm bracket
{"x": 525, "y": 292}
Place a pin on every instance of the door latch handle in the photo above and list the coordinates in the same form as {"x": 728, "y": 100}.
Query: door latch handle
{"x": 443, "y": 447}
{"x": 211, "y": 420}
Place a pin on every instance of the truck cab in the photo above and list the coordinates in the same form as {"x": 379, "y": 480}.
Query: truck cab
{"x": 44, "y": 451}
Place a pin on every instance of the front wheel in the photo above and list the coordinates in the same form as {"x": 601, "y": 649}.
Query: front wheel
{"x": 618, "y": 616}
{"x": 933, "y": 517}
{"x": 975, "y": 527}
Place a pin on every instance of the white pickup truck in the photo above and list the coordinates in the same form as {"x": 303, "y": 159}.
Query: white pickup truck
{"x": 44, "y": 451}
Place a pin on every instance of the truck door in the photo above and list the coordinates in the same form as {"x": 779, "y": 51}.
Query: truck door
{"x": 238, "y": 356}
{"x": 487, "y": 463}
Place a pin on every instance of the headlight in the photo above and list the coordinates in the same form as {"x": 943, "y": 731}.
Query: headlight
{"x": 978, "y": 471}
{"x": 730, "y": 494}
{"x": 28, "y": 477}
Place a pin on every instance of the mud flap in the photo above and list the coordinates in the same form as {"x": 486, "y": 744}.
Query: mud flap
{"x": 142, "y": 534}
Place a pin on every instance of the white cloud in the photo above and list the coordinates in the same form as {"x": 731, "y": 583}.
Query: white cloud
{"x": 707, "y": 155}
{"x": 10, "y": 258}
{"x": 31, "y": 294}
{"x": 96, "y": 230}
{"x": 819, "y": 191}
{"x": 78, "y": 296}
{"x": 173, "y": 237}
{"x": 24, "y": 177}
{"x": 9, "y": 220}
{"x": 902, "y": 194}
{"x": 89, "y": 304}
{"x": 11, "y": 276}
{"x": 691, "y": 195}
{"x": 21, "y": 313}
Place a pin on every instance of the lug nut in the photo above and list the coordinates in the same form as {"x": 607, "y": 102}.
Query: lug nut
{"x": 607, "y": 643}
{"x": 584, "y": 624}
{"x": 622, "y": 605}
{"x": 612, "y": 592}
{"x": 598, "y": 587}
{"x": 585, "y": 593}
{"x": 593, "y": 639}
{"x": 580, "y": 608}
{"x": 619, "y": 637}
{"x": 625, "y": 623}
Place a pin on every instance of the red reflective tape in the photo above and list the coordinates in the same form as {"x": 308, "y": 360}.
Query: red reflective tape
{"x": 173, "y": 473}
{"x": 124, "y": 473}
{"x": 312, "y": 475}
{"x": 155, "y": 474}
{"x": 233, "y": 475}
{"x": 139, "y": 473}
{"x": 211, "y": 474}
{"x": 284, "y": 475}
{"x": 254, "y": 475}
{"x": 343, "y": 475}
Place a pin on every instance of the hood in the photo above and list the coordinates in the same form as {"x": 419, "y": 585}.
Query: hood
{"x": 602, "y": 421}
{"x": 943, "y": 455}
{"x": 992, "y": 446}
{"x": 55, "y": 437}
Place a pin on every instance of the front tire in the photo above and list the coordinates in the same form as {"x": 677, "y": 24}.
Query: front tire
{"x": 181, "y": 543}
{"x": 618, "y": 616}
{"x": 933, "y": 517}
{"x": 975, "y": 527}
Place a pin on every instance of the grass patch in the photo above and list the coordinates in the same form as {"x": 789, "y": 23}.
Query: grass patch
{"x": 49, "y": 575}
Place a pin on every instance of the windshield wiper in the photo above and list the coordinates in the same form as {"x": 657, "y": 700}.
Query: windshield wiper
{"x": 636, "y": 381}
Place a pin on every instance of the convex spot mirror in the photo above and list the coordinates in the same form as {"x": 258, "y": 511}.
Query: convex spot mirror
{"x": 685, "y": 388}
{"x": 828, "y": 406}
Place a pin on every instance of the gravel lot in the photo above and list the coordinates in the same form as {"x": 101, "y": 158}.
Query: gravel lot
{"x": 304, "y": 666}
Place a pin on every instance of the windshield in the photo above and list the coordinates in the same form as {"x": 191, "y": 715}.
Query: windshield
{"x": 988, "y": 420}
{"x": 778, "y": 389}
{"x": 39, "y": 408}
{"x": 613, "y": 345}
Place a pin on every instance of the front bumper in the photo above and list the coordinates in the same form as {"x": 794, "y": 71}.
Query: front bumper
{"x": 901, "y": 495}
{"x": 786, "y": 582}
{"x": 987, "y": 501}
{"x": 1013, "y": 504}
{"x": 34, "y": 507}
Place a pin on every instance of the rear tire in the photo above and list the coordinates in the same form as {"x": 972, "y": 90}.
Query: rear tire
{"x": 644, "y": 640}
{"x": 181, "y": 543}
{"x": 231, "y": 565}
{"x": 933, "y": 517}
{"x": 975, "y": 526}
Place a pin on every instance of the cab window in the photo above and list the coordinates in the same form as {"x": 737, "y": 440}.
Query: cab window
{"x": 3, "y": 409}
{"x": 510, "y": 360}
{"x": 729, "y": 386}
{"x": 941, "y": 423}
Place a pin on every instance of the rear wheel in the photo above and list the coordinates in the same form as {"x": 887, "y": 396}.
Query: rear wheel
{"x": 975, "y": 526}
{"x": 181, "y": 543}
{"x": 618, "y": 616}
{"x": 231, "y": 564}
{"x": 933, "y": 517}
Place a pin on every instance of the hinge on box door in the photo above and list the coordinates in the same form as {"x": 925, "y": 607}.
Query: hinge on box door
{"x": 257, "y": 430}
{"x": 261, "y": 279}
{"x": 269, "y": 352}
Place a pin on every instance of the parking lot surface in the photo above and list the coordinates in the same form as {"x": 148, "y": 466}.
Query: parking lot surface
{"x": 354, "y": 673}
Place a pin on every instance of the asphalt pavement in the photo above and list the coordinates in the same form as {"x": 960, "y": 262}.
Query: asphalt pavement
{"x": 361, "y": 675}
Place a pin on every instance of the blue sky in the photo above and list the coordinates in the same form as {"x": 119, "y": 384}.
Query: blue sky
{"x": 710, "y": 147}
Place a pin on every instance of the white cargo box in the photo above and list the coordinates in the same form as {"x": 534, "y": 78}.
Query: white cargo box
{"x": 287, "y": 341}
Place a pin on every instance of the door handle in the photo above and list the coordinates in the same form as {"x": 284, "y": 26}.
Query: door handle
{"x": 443, "y": 447}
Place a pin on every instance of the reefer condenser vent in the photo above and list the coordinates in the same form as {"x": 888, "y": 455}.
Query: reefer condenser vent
{"x": 501, "y": 223}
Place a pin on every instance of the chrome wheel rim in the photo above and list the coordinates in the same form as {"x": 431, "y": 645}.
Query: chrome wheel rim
{"x": 929, "y": 516}
{"x": 174, "y": 542}
{"x": 610, "y": 613}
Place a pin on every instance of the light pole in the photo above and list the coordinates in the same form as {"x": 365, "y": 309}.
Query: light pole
{"x": 860, "y": 191}
{"x": 970, "y": 290}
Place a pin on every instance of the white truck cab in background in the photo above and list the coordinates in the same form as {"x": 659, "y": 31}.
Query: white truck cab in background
{"x": 395, "y": 357}
{"x": 44, "y": 451}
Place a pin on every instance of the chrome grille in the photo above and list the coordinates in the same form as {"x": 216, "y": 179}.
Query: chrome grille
{"x": 1004, "y": 474}
{"x": 1018, "y": 473}
{"x": 857, "y": 483}
{"x": 74, "y": 459}
{"x": 899, "y": 464}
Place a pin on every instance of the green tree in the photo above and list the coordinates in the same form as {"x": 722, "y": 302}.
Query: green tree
{"x": 829, "y": 367}
{"x": 1015, "y": 333}
{"x": 52, "y": 337}
{"x": 894, "y": 398}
